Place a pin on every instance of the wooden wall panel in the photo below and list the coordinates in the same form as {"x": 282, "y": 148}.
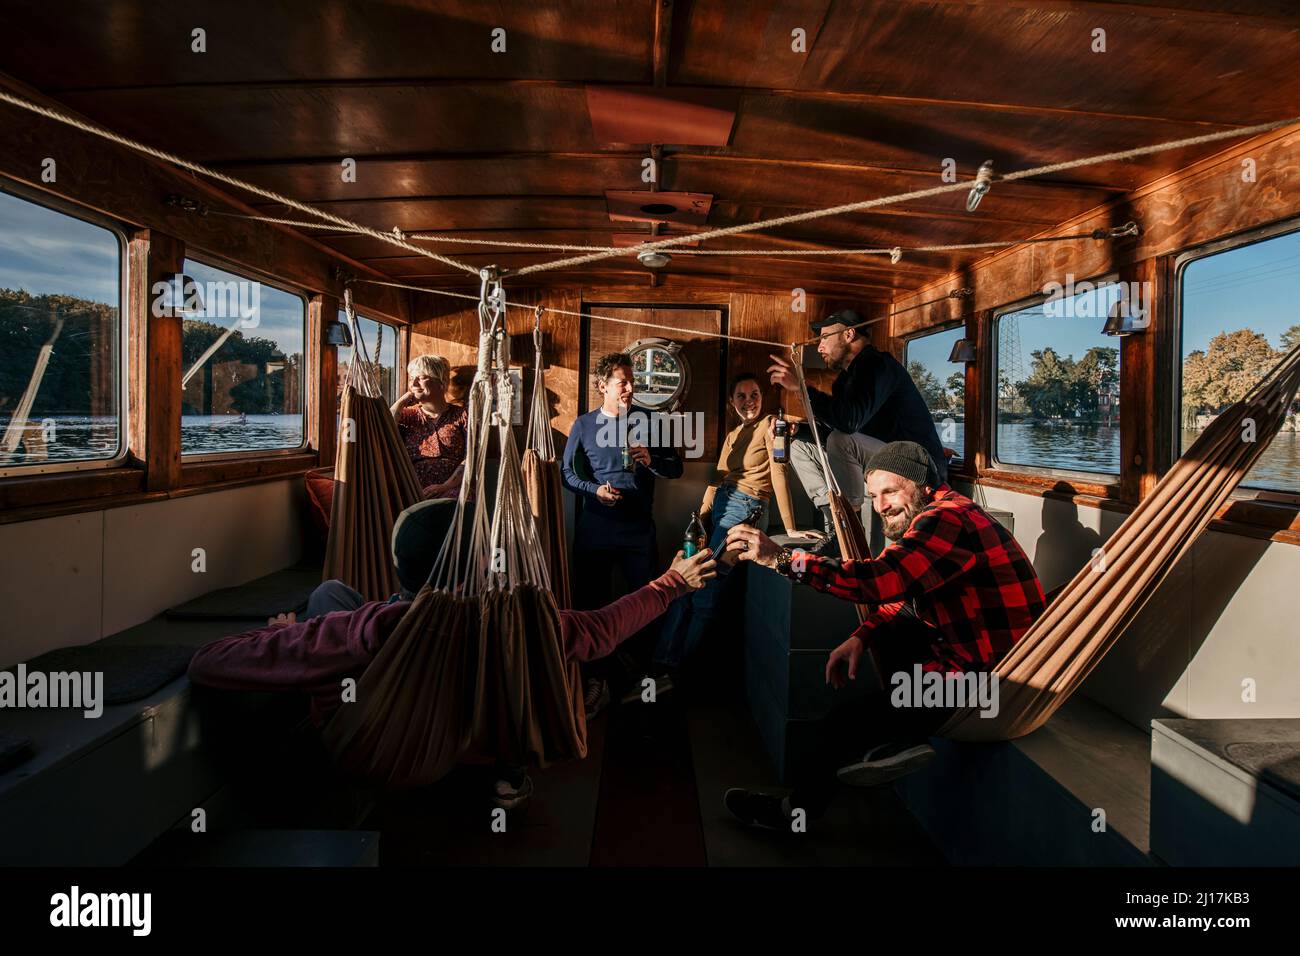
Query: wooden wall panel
{"x": 1207, "y": 201}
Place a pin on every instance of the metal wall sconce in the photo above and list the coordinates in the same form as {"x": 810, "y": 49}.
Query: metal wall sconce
{"x": 182, "y": 296}
{"x": 336, "y": 333}
{"x": 1125, "y": 321}
{"x": 962, "y": 351}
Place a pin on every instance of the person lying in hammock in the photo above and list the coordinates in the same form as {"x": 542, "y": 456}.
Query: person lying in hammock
{"x": 315, "y": 655}
{"x": 952, "y": 593}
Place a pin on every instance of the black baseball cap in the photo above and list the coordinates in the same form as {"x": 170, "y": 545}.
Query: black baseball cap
{"x": 842, "y": 317}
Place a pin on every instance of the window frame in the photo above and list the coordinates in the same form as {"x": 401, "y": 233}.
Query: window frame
{"x": 958, "y": 461}
{"x": 399, "y": 367}
{"x": 1182, "y": 260}
{"x": 122, "y": 369}
{"x": 202, "y": 257}
{"x": 1110, "y": 482}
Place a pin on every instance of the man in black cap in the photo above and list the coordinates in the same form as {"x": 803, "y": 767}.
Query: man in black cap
{"x": 873, "y": 401}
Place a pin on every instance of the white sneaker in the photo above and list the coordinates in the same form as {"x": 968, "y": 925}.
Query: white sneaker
{"x": 509, "y": 797}
{"x": 885, "y": 763}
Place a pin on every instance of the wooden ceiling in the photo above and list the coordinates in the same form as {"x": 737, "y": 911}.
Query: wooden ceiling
{"x": 454, "y": 139}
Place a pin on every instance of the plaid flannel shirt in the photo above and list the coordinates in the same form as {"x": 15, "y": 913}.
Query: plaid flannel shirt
{"x": 962, "y": 572}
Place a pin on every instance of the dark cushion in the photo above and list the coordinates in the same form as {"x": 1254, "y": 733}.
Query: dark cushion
{"x": 13, "y": 750}
{"x": 131, "y": 671}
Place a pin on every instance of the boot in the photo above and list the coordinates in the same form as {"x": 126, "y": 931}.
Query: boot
{"x": 828, "y": 547}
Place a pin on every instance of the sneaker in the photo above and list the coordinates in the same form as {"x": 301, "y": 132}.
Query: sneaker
{"x": 509, "y": 797}
{"x": 663, "y": 685}
{"x": 595, "y": 697}
{"x": 885, "y": 763}
{"x": 756, "y": 809}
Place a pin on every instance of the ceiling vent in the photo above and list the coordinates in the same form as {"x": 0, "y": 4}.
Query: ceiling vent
{"x": 640, "y": 205}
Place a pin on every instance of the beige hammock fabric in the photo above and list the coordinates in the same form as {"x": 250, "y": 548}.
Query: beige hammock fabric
{"x": 542, "y": 480}
{"x": 1050, "y": 662}
{"x": 374, "y": 482}
{"x": 477, "y": 667}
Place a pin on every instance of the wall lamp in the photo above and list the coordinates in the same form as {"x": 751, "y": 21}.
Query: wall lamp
{"x": 962, "y": 351}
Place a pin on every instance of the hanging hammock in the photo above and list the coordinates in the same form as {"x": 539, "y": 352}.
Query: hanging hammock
{"x": 541, "y": 471}
{"x": 476, "y": 667}
{"x": 1052, "y": 659}
{"x": 374, "y": 480}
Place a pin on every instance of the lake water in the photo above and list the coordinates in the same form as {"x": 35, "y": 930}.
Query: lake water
{"x": 1086, "y": 448}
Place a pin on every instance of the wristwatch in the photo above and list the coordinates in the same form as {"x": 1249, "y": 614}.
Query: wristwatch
{"x": 783, "y": 561}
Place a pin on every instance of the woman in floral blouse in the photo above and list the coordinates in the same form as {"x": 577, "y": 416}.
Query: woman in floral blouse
{"x": 432, "y": 429}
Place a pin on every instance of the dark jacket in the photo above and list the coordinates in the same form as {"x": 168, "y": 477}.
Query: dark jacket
{"x": 876, "y": 396}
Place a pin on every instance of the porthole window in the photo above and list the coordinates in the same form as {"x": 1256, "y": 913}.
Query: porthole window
{"x": 661, "y": 374}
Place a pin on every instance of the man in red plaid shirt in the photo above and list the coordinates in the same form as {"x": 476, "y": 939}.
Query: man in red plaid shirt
{"x": 952, "y": 594}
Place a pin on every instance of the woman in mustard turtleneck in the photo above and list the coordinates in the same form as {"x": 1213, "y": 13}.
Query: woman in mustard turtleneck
{"x": 746, "y": 478}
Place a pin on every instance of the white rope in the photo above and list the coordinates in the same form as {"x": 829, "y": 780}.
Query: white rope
{"x": 397, "y": 238}
{"x": 139, "y": 147}
{"x": 895, "y": 253}
{"x": 539, "y": 437}
{"x": 602, "y": 318}
{"x": 796, "y": 357}
{"x": 361, "y": 374}
{"x": 909, "y": 196}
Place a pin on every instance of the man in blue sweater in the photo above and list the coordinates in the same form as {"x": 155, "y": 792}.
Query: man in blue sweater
{"x": 872, "y": 402}
{"x": 615, "y": 526}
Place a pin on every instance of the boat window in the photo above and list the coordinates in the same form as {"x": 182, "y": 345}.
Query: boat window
{"x": 380, "y": 341}
{"x": 242, "y": 364}
{"x": 61, "y": 396}
{"x": 1057, "y": 382}
{"x": 661, "y": 374}
{"x": 1239, "y": 317}
{"x": 941, "y": 383}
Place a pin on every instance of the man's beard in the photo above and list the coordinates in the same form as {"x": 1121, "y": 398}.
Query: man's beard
{"x": 896, "y": 526}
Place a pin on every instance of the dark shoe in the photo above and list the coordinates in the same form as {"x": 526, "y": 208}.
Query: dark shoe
{"x": 885, "y": 763}
{"x": 595, "y": 697}
{"x": 509, "y": 797}
{"x": 756, "y": 809}
{"x": 663, "y": 685}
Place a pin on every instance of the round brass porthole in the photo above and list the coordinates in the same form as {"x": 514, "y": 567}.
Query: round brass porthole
{"x": 660, "y": 373}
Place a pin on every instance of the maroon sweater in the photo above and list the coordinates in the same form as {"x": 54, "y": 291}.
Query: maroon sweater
{"x": 315, "y": 656}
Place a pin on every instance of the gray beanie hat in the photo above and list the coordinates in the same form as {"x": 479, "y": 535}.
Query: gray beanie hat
{"x": 908, "y": 459}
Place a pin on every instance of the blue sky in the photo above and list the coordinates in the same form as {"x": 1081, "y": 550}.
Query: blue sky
{"x": 1246, "y": 287}
{"x": 280, "y": 317}
{"x": 44, "y": 252}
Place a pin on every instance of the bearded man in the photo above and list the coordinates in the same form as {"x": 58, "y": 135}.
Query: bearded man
{"x": 951, "y": 594}
{"x": 872, "y": 401}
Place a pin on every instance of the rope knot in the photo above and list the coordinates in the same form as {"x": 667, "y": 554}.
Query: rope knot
{"x": 983, "y": 182}
{"x": 895, "y": 255}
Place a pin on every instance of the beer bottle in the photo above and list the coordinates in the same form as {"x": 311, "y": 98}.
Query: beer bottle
{"x": 780, "y": 451}
{"x": 629, "y": 464}
{"x": 694, "y": 540}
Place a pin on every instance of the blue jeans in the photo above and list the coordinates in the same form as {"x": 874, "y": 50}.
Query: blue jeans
{"x": 690, "y": 616}
{"x": 332, "y": 595}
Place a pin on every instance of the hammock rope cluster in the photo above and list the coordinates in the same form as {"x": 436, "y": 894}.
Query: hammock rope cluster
{"x": 477, "y": 666}
{"x": 1051, "y": 660}
{"x": 374, "y": 480}
{"x": 541, "y": 472}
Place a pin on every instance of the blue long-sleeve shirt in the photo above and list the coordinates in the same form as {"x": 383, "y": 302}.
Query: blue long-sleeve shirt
{"x": 593, "y": 455}
{"x": 876, "y": 396}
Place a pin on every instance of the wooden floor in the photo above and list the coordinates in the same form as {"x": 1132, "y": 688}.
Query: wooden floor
{"x": 649, "y": 794}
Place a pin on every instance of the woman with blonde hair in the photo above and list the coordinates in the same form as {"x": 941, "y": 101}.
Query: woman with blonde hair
{"x": 432, "y": 429}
